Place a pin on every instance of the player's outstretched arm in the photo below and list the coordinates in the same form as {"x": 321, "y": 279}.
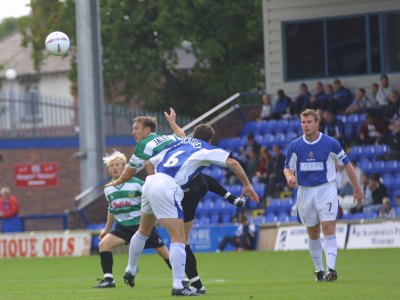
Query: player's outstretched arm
{"x": 125, "y": 176}
{"x": 236, "y": 168}
{"x": 171, "y": 118}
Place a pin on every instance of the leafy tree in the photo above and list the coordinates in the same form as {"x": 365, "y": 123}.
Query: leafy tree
{"x": 7, "y": 26}
{"x": 140, "y": 41}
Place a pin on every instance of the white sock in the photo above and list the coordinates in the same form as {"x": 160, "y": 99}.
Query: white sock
{"x": 227, "y": 195}
{"x": 177, "y": 258}
{"x": 136, "y": 247}
{"x": 316, "y": 254}
{"x": 330, "y": 251}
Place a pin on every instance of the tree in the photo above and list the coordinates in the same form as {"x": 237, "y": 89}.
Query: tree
{"x": 140, "y": 41}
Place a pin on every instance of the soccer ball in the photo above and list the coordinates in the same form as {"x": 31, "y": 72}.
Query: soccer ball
{"x": 57, "y": 43}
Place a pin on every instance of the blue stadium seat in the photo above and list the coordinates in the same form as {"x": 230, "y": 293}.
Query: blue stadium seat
{"x": 204, "y": 220}
{"x": 392, "y": 165}
{"x": 214, "y": 219}
{"x": 281, "y": 126}
{"x": 271, "y": 218}
{"x": 378, "y": 166}
{"x": 369, "y": 151}
{"x": 283, "y": 217}
{"x": 262, "y": 127}
{"x": 235, "y": 143}
{"x": 224, "y": 143}
{"x": 274, "y": 206}
{"x": 268, "y": 140}
{"x": 249, "y": 127}
{"x": 279, "y": 139}
{"x": 352, "y": 119}
{"x": 341, "y": 118}
{"x": 290, "y": 136}
{"x": 388, "y": 181}
{"x": 225, "y": 218}
{"x": 286, "y": 205}
{"x": 355, "y": 153}
{"x": 381, "y": 149}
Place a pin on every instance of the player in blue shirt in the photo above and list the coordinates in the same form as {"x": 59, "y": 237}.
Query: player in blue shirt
{"x": 163, "y": 193}
{"x": 311, "y": 165}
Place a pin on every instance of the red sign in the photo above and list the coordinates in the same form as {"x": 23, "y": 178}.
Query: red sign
{"x": 36, "y": 175}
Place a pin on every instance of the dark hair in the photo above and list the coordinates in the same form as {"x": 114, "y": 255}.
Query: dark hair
{"x": 384, "y": 76}
{"x": 203, "y": 132}
{"x": 362, "y": 90}
{"x": 147, "y": 121}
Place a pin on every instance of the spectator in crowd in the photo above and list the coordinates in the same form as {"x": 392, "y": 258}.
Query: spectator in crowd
{"x": 393, "y": 106}
{"x": 373, "y": 130}
{"x": 387, "y": 212}
{"x": 384, "y": 91}
{"x": 319, "y": 91}
{"x": 266, "y": 109}
{"x": 378, "y": 192}
{"x": 300, "y": 102}
{"x": 251, "y": 164}
{"x": 333, "y": 127}
{"x": 281, "y": 106}
{"x": 276, "y": 178}
{"x": 367, "y": 195}
{"x": 342, "y": 96}
{"x": 250, "y": 145}
{"x": 9, "y": 205}
{"x": 393, "y": 142}
{"x": 361, "y": 103}
{"x": 343, "y": 182}
{"x": 374, "y": 88}
{"x": 243, "y": 239}
{"x": 262, "y": 170}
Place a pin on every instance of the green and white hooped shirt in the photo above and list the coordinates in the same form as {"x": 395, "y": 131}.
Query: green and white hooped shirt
{"x": 124, "y": 201}
{"x": 150, "y": 146}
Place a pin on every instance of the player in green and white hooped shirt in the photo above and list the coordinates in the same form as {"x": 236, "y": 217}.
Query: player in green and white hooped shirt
{"x": 124, "y": 203}
{"x": 149, "y": 143}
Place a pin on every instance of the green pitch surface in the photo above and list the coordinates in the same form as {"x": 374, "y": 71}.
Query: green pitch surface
{"x": 363, "y": 274}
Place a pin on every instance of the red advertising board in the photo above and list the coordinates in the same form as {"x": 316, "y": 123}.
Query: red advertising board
{"x": 36, "y": 175}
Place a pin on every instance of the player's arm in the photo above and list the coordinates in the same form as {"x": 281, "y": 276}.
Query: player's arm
{"x": 290, "y": 177}
{"x": 149, "y": 167}
{"x": 171, "y": 118}
{"x": 236, "y": 168}
{"x": 358, "y": 194}
{"x": 108, "y": 226}
{"x": 125, "y": 176}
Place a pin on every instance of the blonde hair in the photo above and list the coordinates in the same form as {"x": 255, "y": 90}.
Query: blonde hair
{"x": 110, "y": 157}
{"x": 5, "y": 190}
{"x": 310, "y": 112}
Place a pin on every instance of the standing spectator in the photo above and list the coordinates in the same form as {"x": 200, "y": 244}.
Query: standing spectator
{"x": 9, "y": 208}
{"x": 281, "y": 105}
{"x": 373, "y": 130}
{"x": 342, "y": 96}
{"x": 361, "y": 103}
{"x": 333, "y": 127}
{"x": 9, "y": 205}
{"x": 300, "y": 102}
{"x": 266, "y": 109}
{"x": 276, "y": 179}
{"x": 310, "y": 166}
{"x": 374, "y": 88}
{"x": 384, "y": 91}
{"x": 243, "y": 239}
{"x": 387, "y": 212}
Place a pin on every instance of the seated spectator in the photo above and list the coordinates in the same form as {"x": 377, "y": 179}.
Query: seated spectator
{"x": 281, "y": 106}
{"x": 393, "y": 142}
{"x": 250, "y": 145}
{"x": 333, "y": 127}
{"x": 387, "y": 212}
{"x": 276, "y": 178}
{"x": 374, "y": 88}
{"x": 384, "y": 91}
{"x": 251, "y": 164}
{"x": 343, "y": 182}
{"x": 373, "y": 130}
{"x": 323, "y": 99}
{"x": 342, "y": 96}
{"x": 243, "y": 239}
{"x": 378, "y": 192}
{"x": 266, "y": 109}
{"x": 361, "y": 103}
{"x": 262, "y": 173}
{"x": 9, "y": 205}
{"x": 367, "y": 195}
{"x": 300, "y": 102}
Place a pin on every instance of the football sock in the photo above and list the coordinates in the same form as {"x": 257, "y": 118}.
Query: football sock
{"x": 106, "y": 259}
{"x": 177, "y": 257}
{"x": 136, "y": 247}
{"x": 315, "y": 247}
{"x": 231, "y": 198}
{"x": 168, "y": 263}
{"x": 191, "y": 268}
{"x": 330, "y": 251}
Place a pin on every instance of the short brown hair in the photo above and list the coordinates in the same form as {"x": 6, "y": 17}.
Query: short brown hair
{"x": 310, "y": 112}
{"x": 204, "y": 132}
{"x": 147, "y": 121}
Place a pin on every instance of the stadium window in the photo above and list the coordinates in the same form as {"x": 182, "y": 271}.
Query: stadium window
{"x": 391, "y": 29}
{"x": 346, "y": 47}
{"x": 304, "y": 50}
{"x": 357, "y": 45}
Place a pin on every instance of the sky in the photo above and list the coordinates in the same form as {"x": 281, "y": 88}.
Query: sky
{"x": 13, "y": 8}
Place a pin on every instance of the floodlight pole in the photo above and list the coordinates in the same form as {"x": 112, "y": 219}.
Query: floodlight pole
{"x": 90, "y": 92}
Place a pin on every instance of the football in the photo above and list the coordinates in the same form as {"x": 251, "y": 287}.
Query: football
{"x": 57, "y": 43}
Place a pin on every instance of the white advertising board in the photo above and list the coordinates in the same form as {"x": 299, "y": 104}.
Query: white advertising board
{"x": 296, "y": 238}
{"x": 45, "y": 244}
{"x": 382, "y": 235}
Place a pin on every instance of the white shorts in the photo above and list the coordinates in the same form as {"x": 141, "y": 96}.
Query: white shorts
{"x": 162, "y": 197}
{"x": 317, "y": 204}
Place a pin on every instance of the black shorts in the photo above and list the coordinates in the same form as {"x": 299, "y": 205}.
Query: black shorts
{"x": 195, "y": 190}
{"x": 126, "y": 233}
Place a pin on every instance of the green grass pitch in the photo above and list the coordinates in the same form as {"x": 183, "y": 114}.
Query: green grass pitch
{"x": 363, "y": 274}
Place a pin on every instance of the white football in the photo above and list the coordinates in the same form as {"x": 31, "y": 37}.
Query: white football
{"x": 57, "y": 43}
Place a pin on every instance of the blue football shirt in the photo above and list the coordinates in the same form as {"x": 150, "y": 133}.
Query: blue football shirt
{"x": 314, "y": 162}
